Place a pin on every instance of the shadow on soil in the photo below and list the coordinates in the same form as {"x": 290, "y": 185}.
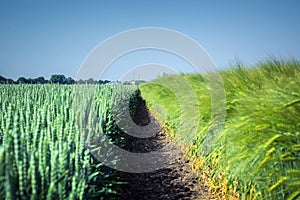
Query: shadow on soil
{"x": 174, "y": 181}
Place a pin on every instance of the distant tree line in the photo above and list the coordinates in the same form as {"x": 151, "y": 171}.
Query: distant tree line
{"x": 55, "y": 79}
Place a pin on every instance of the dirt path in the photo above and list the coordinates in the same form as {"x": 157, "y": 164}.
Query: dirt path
{"x": 173, "y": 181}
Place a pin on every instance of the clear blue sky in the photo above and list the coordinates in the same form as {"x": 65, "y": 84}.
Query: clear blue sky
{"x": 40, "y": 38}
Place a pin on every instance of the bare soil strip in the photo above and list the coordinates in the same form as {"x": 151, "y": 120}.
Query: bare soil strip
{"x": 174, "y": 181}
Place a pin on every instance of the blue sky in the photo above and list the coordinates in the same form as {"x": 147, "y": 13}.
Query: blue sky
{"x": 40, "y": 38}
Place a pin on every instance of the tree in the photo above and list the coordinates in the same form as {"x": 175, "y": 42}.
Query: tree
{"x": 22, "y": 80}
{"x": 10, "y": 81}
{"x": 40, "y": 80}
{"x": 70, "y": 80}
{"x": 2, "y": 79}
{"x": 57, "y": 78}
{"x": 80, "y": 81}
{"x": 31, "y": 81}
{"x": 103, "y": 82}
{"x": 6, "y": 80}
{"x": 90, "y": 81}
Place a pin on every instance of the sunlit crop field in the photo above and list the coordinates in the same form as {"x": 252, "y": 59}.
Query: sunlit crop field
{"x": 257, "y": 153}
{"x": 45, "y": 138}
{"x": 51, "y": 135}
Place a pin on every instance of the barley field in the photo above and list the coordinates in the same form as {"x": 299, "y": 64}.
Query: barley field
{"x": 256, "y": 155}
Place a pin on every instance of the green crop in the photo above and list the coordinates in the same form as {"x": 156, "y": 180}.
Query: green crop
{"x": 46, "y": 138}
{"x": 257, "y": 154}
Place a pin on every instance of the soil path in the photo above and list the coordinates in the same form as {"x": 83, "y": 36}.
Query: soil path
{"x": 174, "y": 181}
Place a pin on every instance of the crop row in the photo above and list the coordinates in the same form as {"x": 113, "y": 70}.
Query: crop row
{"x": 255, "y": 152}
{"x": 48, "y": 134}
